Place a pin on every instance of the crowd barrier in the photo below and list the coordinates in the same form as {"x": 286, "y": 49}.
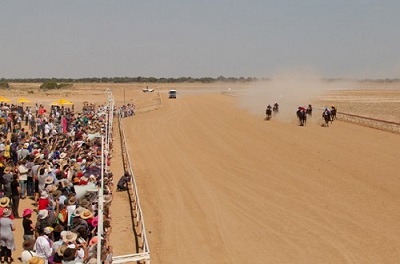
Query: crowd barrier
{"x": 370, "y": 122}
{"x": 142, "y": 251}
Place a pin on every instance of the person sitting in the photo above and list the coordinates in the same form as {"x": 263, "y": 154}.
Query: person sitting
{"x": 123, "y": 182}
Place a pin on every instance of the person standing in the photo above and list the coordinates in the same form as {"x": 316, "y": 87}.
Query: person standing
{"x": 15, "y": 194}
{"x": 43, "y": 245}
{"x": 28, "y": 224}
{"x": 6, "y": 236}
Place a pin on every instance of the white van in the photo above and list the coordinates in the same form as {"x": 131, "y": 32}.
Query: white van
{"x": 172, "y": 94}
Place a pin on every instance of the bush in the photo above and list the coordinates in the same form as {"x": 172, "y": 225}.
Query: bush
{"x": 4, "y": 85}
{"x": 54, "y": 85}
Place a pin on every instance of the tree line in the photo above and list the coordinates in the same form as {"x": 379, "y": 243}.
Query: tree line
{"x": 130, "y": 80}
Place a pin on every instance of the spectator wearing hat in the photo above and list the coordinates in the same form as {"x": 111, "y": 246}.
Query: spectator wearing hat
{"x": 6, "y": 236}
{"x": 59, "y": 253}
{"x": 23, "y": 177}
{"x": 15, "y": 194}
{"x": 4, "y": 204}
{"x": 28, "y": 252}
{"x": 23, "y": 152}
{"x": 43, "y": 202}
{"x": 28, "y": 224}
{"x": 7, "y": 179}
{"x": 57, "y": 236}
{"x": 78, "y": 221}
{"x": 36, "y": 260}
{"x": 44, "y": 220}
{"x": 43, "y": 245}
{"x": 30, "y": 182}
{"x": 71, "y": 206}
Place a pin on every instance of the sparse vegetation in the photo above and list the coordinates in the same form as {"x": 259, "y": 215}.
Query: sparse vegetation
{"x": 4, "y": 85}
{"x": 51, "y": 85}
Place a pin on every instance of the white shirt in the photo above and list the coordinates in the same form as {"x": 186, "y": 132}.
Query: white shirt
{"x": 43, "y": 247}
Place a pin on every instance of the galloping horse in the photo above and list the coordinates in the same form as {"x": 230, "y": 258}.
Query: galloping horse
{"x": 326, "y": 115}
{"x": 333, "y": 113}
{"x": 275, "y": 109}
{"x": 309, "y": 110}
{"x": 268, "y": 112}
{"x": 301, "y": 114}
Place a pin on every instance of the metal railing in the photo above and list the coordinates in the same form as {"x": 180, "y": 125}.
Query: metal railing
{"x": 370, "y": 122}
{"x": 142, "y": 250}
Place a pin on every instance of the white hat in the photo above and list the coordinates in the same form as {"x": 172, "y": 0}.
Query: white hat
{"x": 43, "y": 214}
{"x": 44, "y": 194}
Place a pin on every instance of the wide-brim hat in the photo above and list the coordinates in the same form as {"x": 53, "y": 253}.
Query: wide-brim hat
{"x": 36, "y": 260}
{"x": 63, "y": 155}
{"x": 56, "y": 194}
{"x": 79, "y": 210}
{"x": 65, "y": 183}
{"x": 7, "y": 212}
{"x": 71, "y": 200}
{"x": 49, "y": 180}
{"x": 7, "y": 170}
{"x": 61, "y": 249}
{"x": 26, "y": 145}
{"x": 86, "y": 214}
{"x": 95, "y": 221}
{"x": 69, "y": 236}
{"x": 26, "y": 212}
{"x": 44, "y": 195}
{"x": 85, "y": 203}
{"x": 4, "y": 202}
{"x": 51, "y": 188}
{"x": 107, "y": 198}
{"x": 43, "y": 214}
{"x": 28, "y": 244}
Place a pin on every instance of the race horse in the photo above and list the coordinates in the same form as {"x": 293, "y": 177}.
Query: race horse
{"x": 333, "y": 114}
{"x": 301, "y": 114}
{"x": 326, "y": 115}
{"x": 275, "y": 109}
{"x": 268, "y": 112}
{"x": 309, "y": 110}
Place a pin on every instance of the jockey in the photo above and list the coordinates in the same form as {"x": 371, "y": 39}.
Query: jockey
{"x": 301, "y": 109}
{"x": 276, "y": 105}
{"x": 327, "y": 111}
{"x": 269, "y": 107}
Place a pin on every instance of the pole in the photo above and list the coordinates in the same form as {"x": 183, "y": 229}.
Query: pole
{"x": 124, "y": 96}
{"x": 100, "y": 205}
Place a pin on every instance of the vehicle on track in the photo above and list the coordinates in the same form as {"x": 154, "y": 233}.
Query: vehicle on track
{"x": 172, "y": 94}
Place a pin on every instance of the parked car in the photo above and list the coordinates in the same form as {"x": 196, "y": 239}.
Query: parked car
{"x": 147, "y": 89}
{"x": 172, "y": 94}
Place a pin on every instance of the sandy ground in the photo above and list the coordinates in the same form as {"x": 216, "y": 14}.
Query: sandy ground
{"x": 218, "y": 184}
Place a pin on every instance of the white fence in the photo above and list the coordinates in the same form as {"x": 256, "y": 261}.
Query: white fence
{"x": 142, "y": 252}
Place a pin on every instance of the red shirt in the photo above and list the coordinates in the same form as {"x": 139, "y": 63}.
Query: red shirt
{"x": 43, "y": 203}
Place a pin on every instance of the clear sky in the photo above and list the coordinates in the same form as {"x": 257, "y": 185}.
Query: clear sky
{"x": 203, "y": 38}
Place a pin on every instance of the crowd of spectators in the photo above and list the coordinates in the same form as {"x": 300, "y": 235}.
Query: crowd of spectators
{"x": 55, "y": 161}
{"x": 127, "y": 110}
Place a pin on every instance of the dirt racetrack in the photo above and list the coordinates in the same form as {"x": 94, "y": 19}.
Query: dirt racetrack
{"x": 220, "y": 185}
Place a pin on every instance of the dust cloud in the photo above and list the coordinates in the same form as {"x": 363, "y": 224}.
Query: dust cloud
{"x": 290, "y": 92}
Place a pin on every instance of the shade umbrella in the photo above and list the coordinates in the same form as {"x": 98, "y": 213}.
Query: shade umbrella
{"x": 62, "y": 102}
{"x": 4, "y": 100}
{"x": 23, "y": 100}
